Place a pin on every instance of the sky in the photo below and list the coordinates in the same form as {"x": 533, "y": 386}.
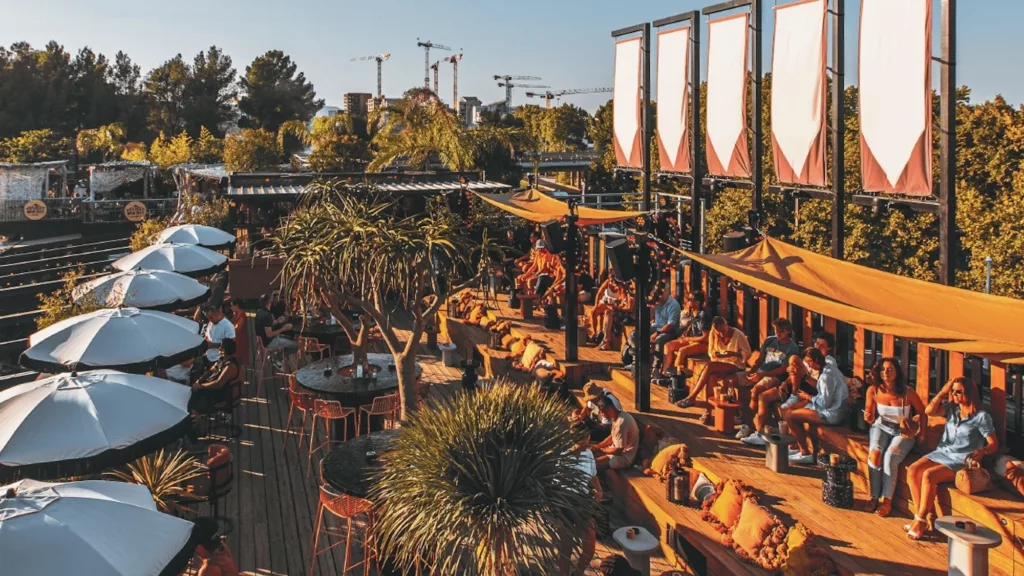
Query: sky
{"x": 565, "y": 42}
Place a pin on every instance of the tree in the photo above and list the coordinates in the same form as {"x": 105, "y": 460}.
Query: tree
{"x": 559, "y": 129}
{"x": 210, "y": 94}
{"x": 251, "y": 151}
{"x": 346, "y": 249}
{"x": 35, "y": 146}
{"x": 484, "y": 485}
{"x": 61, "y": 304}
{"x": 126, "y": 77}
{"x": 166, "y": 152}
{"x": 166, "y": 90}
{"x": 207, "y": 149}
{"x": 272, "y": 93}
{"x": 107, "y": 140}
{"x": 336, "y": 142}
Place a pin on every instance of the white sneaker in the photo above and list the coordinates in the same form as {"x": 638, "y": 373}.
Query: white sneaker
{"x": 799, "y": 458}
{"x": 755, "y": 440}
{"x": 744, "y": 432}
{"x": 793, "y": 449}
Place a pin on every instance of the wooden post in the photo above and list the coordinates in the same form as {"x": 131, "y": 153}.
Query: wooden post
{"x": 924, "y": 371}
{"x": 686, "y": 279}
{"x": 956, "y": 364}
{"x": 740, "y": 318}
{"x": 998, "y": 399}
{"x": 783, "y": 309}
{"x": 762, "y": 317}
{"x": 888, "y": 346}
{"x": 807, "y": 325}
{"x": 723, "y": 296}
{"x": 858, "y": 351}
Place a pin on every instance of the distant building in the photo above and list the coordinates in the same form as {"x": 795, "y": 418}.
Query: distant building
{"x": 329, "y": 111}
{"x": 356, "y": 103}
{"x": 375, "y": 103}
{"x": 467, "y": 105}
{"x": 494, "y": 107}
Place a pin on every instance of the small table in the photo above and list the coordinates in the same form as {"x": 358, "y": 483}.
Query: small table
{"x": 346, "y": 468}
{"x": 968, "y": 553}
{"x": 526, "y": 305}
{"x": 724, "y": 415}
{"x": 776, "y": 456}
{"x": 637, "y": 550}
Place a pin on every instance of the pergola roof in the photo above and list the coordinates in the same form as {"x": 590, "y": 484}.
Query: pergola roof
{"x": 410, "y": 187}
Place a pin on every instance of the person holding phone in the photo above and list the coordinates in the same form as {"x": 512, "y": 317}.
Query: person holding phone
{"x": 728, "y": 350}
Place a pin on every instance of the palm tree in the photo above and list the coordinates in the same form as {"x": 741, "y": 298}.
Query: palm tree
{"x": 345, "y": 248}
{"x": 335, "y": 142}
{"x": 484, "y": 485}
{"x": 108, "y": 140}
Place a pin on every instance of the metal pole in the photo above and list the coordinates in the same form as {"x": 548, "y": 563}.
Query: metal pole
{"x": 646, "y": 119}
{"x": 380, "y": 63}
{"x": 988, "y": 274}
{"x": 947, "y": 142}
{"x": 642, "y": 357}
{"x": 426, "y": 67}
{"x": 838, "y": 130}
{"x": 696, "y": 159}
{"x": 757, "y": 200}
{"x": 571, "y": 293}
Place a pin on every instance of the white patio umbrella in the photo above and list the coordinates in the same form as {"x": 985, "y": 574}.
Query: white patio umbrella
{"x": 90, "y": 528}
{"x": 74, "y": 424}
{"x": 149, "y": 289}
{"x": 126, "y": 339}
{"x": 206, "y": 236}
{"x": 187, "y": 259}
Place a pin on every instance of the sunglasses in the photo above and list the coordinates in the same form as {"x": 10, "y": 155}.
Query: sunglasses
{"x": 957, "y": 392}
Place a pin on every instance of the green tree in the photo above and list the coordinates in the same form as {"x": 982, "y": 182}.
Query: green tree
{"x": 273, "y": 92}
{"x": 166, "y": 89}
{"x": 211, "y": 93}
{"x": 166, "y": 152}
{"x": 336, "y": 142}
{"x": 107, "y": 141}
{"x": 251, "y": 151}
{"x": 484, "y": 485}
{"x": 35, "y": 146}
{"x": 126, "y": 77}
{"x": 207, "y": 149}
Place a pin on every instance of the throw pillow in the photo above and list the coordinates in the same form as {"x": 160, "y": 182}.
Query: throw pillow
{"x": 508, "y": 340}
{"x": 531, "y": 354}
{"x": 758, "y": 535}
{"x": 662, "y": 463}
{"x": 477, "y": 313}
{"x": 802, "y": 556}
{"x": 518, "y": 347}
{"x": 726, "y": 505}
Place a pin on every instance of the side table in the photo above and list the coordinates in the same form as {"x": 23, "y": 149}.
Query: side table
{"x": 637, "y": 549}
{"x": 724, "y": 415}
{"x": 776, "y": 456}
{"x": 526, "y": 304}
{"x": 968, "y": 553}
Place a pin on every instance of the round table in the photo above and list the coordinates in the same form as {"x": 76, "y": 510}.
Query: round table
{"x": 348, "y": 390}
{"x": 321, "y": 332}
{"x": 637, "y": 549}
{"x": 968, "y": 553}
{"x": 346, "y": 468}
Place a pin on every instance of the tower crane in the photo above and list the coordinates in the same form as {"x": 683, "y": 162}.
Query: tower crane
{"x": 454, "y": 59}
{"x": 380, "y": 58}
{"x": 426, "y": 58}
{"x": 506, "y": 83}
{"x": 435, "y": 66}
{"x": 549, "y": 95}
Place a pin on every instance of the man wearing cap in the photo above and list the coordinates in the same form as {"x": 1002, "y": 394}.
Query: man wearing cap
{"x": 619, "y": 449}
{"x": 591, "y": 416}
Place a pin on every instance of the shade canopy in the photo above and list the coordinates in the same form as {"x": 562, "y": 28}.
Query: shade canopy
{"x": 140, "y": 288}
{"x": 76, "y": 424}
{"x": 940, "y": 316}
{"x": 188, "y": 259}
{"x": 125, "y": 339}
{"x": 206, "y": 236}
{"x": 536, "y": 206}
{"x": 89, "y": 528}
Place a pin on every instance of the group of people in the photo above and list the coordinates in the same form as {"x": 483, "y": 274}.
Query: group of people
{"x": 540, "y": 271}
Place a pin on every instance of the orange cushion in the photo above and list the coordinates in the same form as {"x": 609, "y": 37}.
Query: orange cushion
{"x": 728, "y": 505}
{"x": 661, "y": 464}
{"x": 476, "y": 314}
{"x": 508, "y": 340}
{"x": 518, "y": 347}
{"x": 803, "y": 557}
{"x": 755, "y": 523}
{"x": 532, "y": 353}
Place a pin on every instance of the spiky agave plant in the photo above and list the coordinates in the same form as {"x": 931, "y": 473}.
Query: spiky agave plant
{"x": 164, "y": 473}
{"x": 483, "y": 486}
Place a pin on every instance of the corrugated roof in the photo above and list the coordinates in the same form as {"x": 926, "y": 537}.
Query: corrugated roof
{"x": 414, "y": 187}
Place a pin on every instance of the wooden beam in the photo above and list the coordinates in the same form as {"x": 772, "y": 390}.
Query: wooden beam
{"x": 858, "y": 351}
{"x": 956, "y": 365}
{"x": 686, "y": 278}
{"x": 807, "y": 325}
{"x": 723, "y": 296}
{"x": 783, "y": 309}
{"x": 997, "y": 401}
{"x": 762, "y": 317}
{"x": 740, "y": 318}
{"x": 924, "y": 371}
{"x": 832, "y": 326}
{"x": 888, "y": 346}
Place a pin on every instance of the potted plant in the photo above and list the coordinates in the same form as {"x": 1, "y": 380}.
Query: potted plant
{"x": 164, "y": 473}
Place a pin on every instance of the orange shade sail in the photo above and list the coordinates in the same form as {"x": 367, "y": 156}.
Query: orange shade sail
{"x": 940, "y": 316}
{"x": 536, "y": 206}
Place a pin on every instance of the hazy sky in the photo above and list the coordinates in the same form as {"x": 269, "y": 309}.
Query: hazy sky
{"x": 565, "y": 42}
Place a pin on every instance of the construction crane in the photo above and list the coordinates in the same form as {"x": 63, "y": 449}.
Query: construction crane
{"x": 380, "y": 58}
{"x": 454, "y": 59}
{"x": 435, "y": 67}
{"x": 506, "y": 83}
{"x": 426, "y": 58}
{"x": 549, "y": 95}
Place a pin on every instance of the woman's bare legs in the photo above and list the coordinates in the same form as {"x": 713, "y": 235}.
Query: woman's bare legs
{"x": 806, "y": 440}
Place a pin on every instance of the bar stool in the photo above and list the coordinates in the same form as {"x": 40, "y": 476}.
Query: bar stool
{"x": 386, "y": 406}
{"x": 303, "y": 403}
{"x": 310, "y": 346}
{"x": 342, "y": 507}
{"x": 329, "y": 411}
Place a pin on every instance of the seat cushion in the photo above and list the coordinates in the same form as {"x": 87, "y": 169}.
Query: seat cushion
{"x": 726, "y": 505}
{"x": 757, "y": 535}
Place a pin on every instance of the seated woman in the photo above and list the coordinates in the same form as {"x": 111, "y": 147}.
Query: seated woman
{"x": 213, "y": 552}
{"x": 695, "y": 324}
{"x": 807, "y": 413}
{"x": 969, "y": 435}
{"x": 214, "y": 386}
{"x": 616, "y": 315}
{"x": 889, "y": 401}
{"x": 609, "y": 294}
{"x": 728, "y": 350}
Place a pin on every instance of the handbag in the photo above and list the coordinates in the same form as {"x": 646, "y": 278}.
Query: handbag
{"x": 972, "y": 478}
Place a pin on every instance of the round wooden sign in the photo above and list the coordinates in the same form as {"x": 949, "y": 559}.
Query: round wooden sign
{"x": 35, "y": 210}
{"x": 135, "y": 211}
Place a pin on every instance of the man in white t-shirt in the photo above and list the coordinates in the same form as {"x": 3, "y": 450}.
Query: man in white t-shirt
{"x": 619, "y": 449}
{"x": 591, "y": 416}
{"x": 217, "y": 329}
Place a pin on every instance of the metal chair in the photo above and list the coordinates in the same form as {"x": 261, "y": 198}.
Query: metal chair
{"x": 387, "y": 406}
{"x": 229, "y": 408}
{"x": 310, "y": 346}
{"x": 342, "y": 507}
{"x": 303, "y": 403}
{"x": 220, "y": 478}
{"x": 264, "y": 358}
{"x": 330, "y": 411}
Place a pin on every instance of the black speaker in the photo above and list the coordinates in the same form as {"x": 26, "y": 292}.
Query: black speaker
{"x": 620, "y": 256}
{"x": 733, "y": 241}
{"x": 551, "y": 231}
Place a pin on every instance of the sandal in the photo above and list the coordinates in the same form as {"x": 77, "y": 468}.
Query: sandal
{"x": 884, "y": 508}
{"x": 917, "y": 534}
{"x": 873, "y": 506}
{"x": 685, "y": 403}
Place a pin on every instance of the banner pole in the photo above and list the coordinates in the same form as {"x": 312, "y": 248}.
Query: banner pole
{"x": 838, "y": 130}
{"x": 947, "y": 143}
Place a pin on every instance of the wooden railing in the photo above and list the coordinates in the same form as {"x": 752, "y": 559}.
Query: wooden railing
{"x": 103, "y": 211}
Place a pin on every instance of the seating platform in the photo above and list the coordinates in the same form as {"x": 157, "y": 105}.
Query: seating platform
{"x": 590, "y": 359}
{"x": 858, "y": 542}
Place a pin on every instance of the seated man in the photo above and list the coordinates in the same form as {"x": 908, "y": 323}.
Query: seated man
{"x": 591, "y": 416}
{"x": 665, "y": 326}
{"x": 728, "y": 350}
{"x": 214, "y": 386}
{"x": 767, "y": 371}
{"x": 618, "y": 309}
{"x": 619, "y": 449}
{"x": 269, "y": 329}
{"x": 827, "y": 408}
{"x": 218, "y": 328}
{"x": 695, "y": 326}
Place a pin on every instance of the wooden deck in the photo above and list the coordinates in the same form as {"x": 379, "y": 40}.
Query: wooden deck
{"x": 273, "y": 504}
